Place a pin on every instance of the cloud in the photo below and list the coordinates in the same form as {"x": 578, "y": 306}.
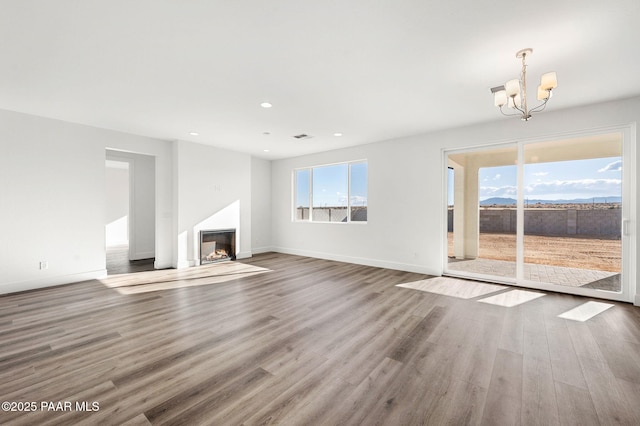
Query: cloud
{"x": 497, "y": 176}
{"x": 558, "y": 189}
{"x": 581, "y": 187}
{"x": 616, "y": 166}
{"x": 498, "y": 191}
{"x": 356, "y": 200}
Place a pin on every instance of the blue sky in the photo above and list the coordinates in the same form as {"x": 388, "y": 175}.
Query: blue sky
{"x": 330, "y": 185}
{"x": 601, "y": 177}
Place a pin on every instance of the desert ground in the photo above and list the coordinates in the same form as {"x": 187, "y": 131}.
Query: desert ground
{"x": 574, "y": 252}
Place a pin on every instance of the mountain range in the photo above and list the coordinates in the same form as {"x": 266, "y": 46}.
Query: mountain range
{"x": 500, "y": 201}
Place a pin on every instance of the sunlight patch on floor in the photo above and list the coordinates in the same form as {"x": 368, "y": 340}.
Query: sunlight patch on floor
{"x": 586, "y": 311}
{"x": 512, "y": 298}
{"x": 453, "y": 287}
{"x": 168, "y": 279}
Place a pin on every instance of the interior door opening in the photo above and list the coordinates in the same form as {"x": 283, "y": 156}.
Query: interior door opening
{"x": 130, "y": 215}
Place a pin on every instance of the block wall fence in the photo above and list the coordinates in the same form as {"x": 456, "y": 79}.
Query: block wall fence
{"x": 561, "y": 222}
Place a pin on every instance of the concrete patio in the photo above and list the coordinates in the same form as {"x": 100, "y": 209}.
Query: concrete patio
{"x": 571, "y": 277}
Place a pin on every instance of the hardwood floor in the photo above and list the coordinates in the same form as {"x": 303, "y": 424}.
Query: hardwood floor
{"x": 118, "y": 261}
{"x": 312, "y": 342}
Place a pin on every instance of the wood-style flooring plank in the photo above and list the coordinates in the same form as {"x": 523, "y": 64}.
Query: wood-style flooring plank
{"x": 608, "y": 396}
{"x": 564, "y": 360}
{"x": 281, "y": 339}
{"x": 504, "y": 396}
{"x": 539, "y": 403}
{"x": 575, "y": 406}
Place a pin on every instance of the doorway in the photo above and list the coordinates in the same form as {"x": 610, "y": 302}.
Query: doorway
{"x": 130, "y": 212}
{"x": 549, "y": 215}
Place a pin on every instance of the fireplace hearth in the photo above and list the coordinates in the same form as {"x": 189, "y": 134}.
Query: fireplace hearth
{"x": 217, "y": 245}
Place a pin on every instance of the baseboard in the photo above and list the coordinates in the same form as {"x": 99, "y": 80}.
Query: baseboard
{"x": 398, "y": 266}
{"x": 181, "y": 264}
{"x": 51, "y": 281}
{"x": 244, "y": 254}
{"x": 142, "y": 255}
{"x": 261, "y": 250}
{"x": 162, "y": 265}
{"x": 636, "y": 302}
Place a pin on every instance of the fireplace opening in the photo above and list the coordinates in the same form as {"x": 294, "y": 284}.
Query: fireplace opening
{"x": 217, "y": 245}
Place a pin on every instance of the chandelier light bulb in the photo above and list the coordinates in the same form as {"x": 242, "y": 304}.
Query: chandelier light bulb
{"x": 549, "y": 81}
{"x": 500, "y": 98}
{"x": 512, "y": 87}
{"x": 543, "y": 94}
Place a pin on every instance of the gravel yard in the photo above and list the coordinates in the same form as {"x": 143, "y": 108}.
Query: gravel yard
{"x": 574, "y": 252}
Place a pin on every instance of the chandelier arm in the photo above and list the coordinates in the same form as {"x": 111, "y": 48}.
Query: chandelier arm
{"x": 508, "y": 115}
{"x": 524, "y": 112}
{"x": 540, "y": 107}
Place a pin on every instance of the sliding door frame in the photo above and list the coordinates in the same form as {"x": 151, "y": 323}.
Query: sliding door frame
{"x": 629, "y": 203}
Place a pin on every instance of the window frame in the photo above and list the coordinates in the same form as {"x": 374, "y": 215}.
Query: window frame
{"x": 294, "y": 193}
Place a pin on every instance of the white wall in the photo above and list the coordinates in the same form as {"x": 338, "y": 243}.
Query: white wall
{"x": 405, "y": 223}
{"x": 117, "y": 203}
{"x": 52, "y": 195}
{"x": 53, "y": 200}
{"x": 142, "y": 240}
{"x": 52, "y": 203}
{"x": 400, "y": 215}
{"x": 213, "y": 191}
{"x": 260, "y": 205}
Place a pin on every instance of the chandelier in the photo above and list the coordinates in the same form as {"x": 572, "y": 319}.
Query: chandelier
{"x": 514, "y": 93}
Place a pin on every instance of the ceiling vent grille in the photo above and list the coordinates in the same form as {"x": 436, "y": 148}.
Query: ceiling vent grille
{"x": 302, "y": 136}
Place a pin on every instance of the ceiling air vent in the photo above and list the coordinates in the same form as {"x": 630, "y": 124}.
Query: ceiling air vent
{"x": 303, "y": 136}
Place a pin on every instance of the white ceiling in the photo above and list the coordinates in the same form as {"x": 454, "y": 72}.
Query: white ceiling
{"x": 370, "y": 69}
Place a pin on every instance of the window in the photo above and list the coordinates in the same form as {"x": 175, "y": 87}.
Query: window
{"x": 303, "y": 196}
{"x": 358, "y": 192}
{"x": 332, "y": 193}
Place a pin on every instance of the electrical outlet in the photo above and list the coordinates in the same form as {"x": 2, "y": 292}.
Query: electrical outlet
{"x": 44, "y": 265}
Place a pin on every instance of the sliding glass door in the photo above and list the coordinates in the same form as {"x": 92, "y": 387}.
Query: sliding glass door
{"x": 547, "y": 215}
{"x": 481, "y": 214}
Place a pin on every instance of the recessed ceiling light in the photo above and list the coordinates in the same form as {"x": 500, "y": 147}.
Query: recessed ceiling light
{"x": 338, "y": 134}
{"x": 265, "y": 150}
{"x": 194, "y": 133}
{"x": 266, "y": 105}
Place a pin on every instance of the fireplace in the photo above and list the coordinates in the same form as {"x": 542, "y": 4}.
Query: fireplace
{"x": 217, "y": 245}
